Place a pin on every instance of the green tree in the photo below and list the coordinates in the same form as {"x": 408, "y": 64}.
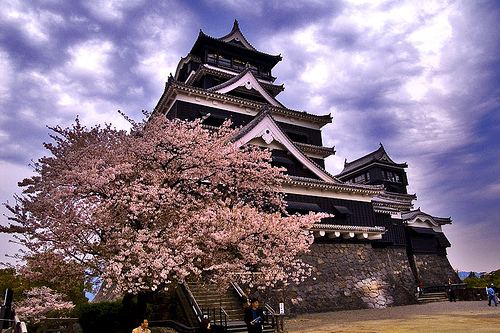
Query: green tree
{"x": 9, "y": 279}
{"x": 484, "y": 280}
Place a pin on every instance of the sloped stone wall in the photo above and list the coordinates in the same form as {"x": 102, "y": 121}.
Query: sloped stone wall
{"x": 350, "y": 276}
{"x": 434, "y": 270}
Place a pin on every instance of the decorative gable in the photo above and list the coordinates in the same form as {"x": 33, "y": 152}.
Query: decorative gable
{"x": 246, "y": 80}
{"x": 265, "y": 127}
{"x": 419, "y": 219}
{"x": 236, "y": 37}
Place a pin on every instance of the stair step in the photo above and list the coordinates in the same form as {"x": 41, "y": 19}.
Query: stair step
{"x": 240, "y": 326}
{"x": 209, "y": 297}
{"x": 432, "y": 297}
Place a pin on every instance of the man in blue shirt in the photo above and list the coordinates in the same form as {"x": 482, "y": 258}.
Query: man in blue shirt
{"x": 254, "y": 317}
{"x": 491, "y": 295}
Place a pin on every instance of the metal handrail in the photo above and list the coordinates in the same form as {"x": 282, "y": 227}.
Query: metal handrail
{"x": 442, "y": 287}
{"x": 269, "y": 309}
{"x": 225, "y": 318}
{"x": 192, "y": 302}
{"x": 19, "y": 326}
{"x": 238, "y": 289}
{"x": 211, "y": 313}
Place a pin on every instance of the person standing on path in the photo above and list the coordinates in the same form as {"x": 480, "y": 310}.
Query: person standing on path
{"x": 254, "y": 317}
{"x": 451, "y": 291}
{"x": 143, "y": 328}
{"x": 491, "y": 296}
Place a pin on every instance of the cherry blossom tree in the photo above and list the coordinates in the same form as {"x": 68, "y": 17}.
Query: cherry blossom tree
{"x": 38, "y": 303}
{"x": 54, "y": 270}
{"x": 170, "y": 201}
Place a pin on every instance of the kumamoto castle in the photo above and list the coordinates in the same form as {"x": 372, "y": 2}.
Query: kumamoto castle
{"x": 375, "y": 250}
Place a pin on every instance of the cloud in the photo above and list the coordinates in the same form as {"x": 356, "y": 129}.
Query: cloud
{"x": 423, "y": 78}
{"x": 114, "y": 11}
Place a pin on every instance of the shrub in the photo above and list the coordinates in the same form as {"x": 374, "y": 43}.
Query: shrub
{"x": 102, "y": 317}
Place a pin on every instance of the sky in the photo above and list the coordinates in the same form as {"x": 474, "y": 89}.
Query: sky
{"x": 422, "y": 77}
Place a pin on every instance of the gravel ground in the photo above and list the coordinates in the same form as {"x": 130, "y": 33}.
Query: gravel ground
{"x": 454, "y": 317}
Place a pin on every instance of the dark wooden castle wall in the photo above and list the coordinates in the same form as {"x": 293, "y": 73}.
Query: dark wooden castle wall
{"x": 362, "y": 215}
{"x": 189, "y": 111}
{"x": 281, "y": 158}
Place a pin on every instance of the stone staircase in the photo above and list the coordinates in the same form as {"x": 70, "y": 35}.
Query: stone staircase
{"x": 432, "y": 297}
{"x": 209, "y": 298}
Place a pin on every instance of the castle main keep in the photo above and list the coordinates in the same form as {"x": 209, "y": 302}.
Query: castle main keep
{"x": 376, "y": 248}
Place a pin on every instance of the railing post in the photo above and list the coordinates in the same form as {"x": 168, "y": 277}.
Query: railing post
{"x": 45, "y": 324}
{"x": 6, "y": 308}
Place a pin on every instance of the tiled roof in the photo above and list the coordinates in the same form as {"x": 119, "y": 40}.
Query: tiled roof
{"x": 241, "y": 45}
{"x": 205, "y": 69}
{"x": 340, "y": 186}
{"x": 230, "y": 81}
{"x": 339, "y": 227}
{"x": 258, "y": 118}
{"x": 393, "y": 202}
{"x": 379, "y": 155}
{"x": 414, "y": 213}
{"x": 325, "y": 151}
{"x": 173, "y": 84}
{"x": 236, "y": 31}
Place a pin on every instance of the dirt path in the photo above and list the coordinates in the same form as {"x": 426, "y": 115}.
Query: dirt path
{"x": 423, "y": 318}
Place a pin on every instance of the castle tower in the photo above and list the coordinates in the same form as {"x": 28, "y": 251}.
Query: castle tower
{"x": 359, "y": 256}
{"x": 376, "y": 168}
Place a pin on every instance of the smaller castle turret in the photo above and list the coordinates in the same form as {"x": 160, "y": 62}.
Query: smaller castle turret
{"x": 376, "y": 168}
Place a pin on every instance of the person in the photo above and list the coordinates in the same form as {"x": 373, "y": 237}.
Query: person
{"x": 246, "y": 303}
{"x": 143, "y": 328}
{"x": 491, "y": 295}
{"x": 205, "y": 325}
{"x": 451, "y": 291}
{"x": 254, "y": 317}
{"x": 420, "y": 289}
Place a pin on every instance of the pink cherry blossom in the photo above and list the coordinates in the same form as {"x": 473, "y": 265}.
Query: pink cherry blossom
{"x": 38, "y": 303}
{"x": 168, "y": 202}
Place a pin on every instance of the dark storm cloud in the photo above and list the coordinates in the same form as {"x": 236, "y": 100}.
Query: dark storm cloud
{"x": 267, "y": 17}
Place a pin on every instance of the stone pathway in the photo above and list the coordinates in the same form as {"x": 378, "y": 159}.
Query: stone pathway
{"x": 433, "y": 317}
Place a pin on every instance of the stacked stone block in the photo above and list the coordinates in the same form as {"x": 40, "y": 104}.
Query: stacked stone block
{"x": 348, "y": 276}
{"x": 434, "y": 270}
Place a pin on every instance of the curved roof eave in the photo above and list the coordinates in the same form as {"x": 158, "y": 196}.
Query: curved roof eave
{"x": 272, "y": 59}
{"x": 174, "y": 85}
{"x": 371, "y": 190}
{"x": 377, "y": 156}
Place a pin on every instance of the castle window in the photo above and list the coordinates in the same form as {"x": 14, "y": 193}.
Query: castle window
{"x": 253, "y": 69}
{"x": 341, "y": 212}
{"x": 281, "y": 162}
{"x": 361, "y": 178}
{"x": 224, "y": 62}
{"x": 297, "y": 137}
{"x": 301, "y": 207}
{"x": 212, "y": 58}
{"x": 212, "y": 119}
{"x": 391, "y": 176}
{"x": 238, "y": 64}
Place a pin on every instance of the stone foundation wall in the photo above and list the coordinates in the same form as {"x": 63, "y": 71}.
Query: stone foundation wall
{"x": 349, "y": 276}
{"x": 434, "y": 270}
